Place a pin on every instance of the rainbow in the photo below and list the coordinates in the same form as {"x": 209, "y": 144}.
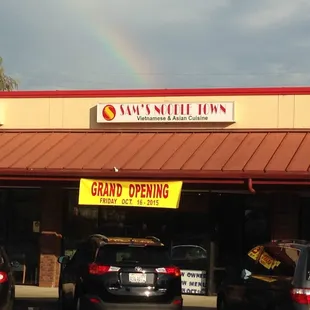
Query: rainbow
{"x": 120, "y": 46}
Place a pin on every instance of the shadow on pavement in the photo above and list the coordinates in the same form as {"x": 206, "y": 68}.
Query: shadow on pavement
{"x": 51, "y": 304}
{"x": 198, "y": 308}
{"x": 35, "y": 304}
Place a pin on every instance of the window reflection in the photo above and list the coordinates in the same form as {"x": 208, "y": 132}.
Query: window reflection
{"x": 167, "y": 225}
{"x": 256, "y": 227}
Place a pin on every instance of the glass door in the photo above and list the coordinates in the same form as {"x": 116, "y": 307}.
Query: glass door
{"x": 22, "y": 232}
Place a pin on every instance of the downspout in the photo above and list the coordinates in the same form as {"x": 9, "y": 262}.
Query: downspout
{"x": 250, "y": 186}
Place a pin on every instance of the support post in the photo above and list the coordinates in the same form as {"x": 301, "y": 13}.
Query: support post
{"x": 50, "y": 239}
{"x": 210, "y": 273}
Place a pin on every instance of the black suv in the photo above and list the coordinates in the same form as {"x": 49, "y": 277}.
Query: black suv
{"x": 116, "y": 272}
{"x": 273, "y": 276}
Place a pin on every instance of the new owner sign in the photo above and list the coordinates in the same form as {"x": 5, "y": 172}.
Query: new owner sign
{"x": 193, "y": 282}
{"x": 199, "y": 112}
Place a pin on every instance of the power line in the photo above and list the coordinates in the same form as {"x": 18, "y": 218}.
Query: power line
{"x": 211, "y": 74}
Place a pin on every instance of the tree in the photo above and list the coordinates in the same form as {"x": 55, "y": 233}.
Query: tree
{"x": 6, "y": 82}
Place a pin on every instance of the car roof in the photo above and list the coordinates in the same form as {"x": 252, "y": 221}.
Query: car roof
{"x": 102, "y": 240}
{"x": 188, "y": 246}
{"x": 294, "y": 243}
{"x": 138, "y": 241}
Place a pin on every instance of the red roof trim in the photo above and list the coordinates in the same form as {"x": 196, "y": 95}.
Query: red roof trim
{"x": 169, "y": 130}
{"x": 157, "y": 92}
{"x": 229, "y": 176}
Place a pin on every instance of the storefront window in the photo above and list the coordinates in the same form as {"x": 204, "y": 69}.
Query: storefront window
{"x": 242, "y": 221}
{"x": 88, "y": 213}
{"x": 80, "y": 222}
{"x": 304, "y": 218}
{"x": 182, "y": 226}
{"x": 3, "y": 221}
{"x": 22, "y": 212}
{"x": 256, "y": 221}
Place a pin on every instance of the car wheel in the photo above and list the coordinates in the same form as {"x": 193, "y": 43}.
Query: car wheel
{"x": 61, "y": 304}
{"x": 80, "y": 305}
{"x": 77, "y": 304}
{"x": 59, "y": 301}
{"x": 64, "y": 304}
{"x": 11, "y": 305}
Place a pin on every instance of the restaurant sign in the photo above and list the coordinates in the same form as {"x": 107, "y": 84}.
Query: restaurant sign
{"x": 166, "y": 112}
{"x": 130, "y": 194}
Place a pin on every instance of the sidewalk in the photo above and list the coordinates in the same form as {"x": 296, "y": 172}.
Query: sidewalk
{"x": 199, "y": 301}
{"x": 24, "y": 291}
{"x": 32, "y": 292}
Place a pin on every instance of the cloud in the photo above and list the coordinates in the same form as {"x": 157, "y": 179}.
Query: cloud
{"x": 155, "y": 43}
{"x": 148, "y": 13}
{"x": 267, "y": 14}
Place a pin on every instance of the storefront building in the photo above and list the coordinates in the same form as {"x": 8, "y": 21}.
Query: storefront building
{"x": 235, "y": 150}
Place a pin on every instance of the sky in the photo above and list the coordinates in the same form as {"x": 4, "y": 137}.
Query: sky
{"x": 125, "y": 44}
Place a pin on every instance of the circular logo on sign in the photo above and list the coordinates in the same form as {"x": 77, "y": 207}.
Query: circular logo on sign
{"x": 108, "y": 112}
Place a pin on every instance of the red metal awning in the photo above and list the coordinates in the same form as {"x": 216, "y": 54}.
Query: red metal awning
{"x": 208, "y": 155}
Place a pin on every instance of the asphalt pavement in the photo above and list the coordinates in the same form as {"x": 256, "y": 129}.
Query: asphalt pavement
{"x": 37, "y": 298}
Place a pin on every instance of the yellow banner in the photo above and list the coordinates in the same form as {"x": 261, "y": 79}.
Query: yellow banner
{"x": 130, "y": 194}
{"x": 255, "y": 252}
{"x": 266, "y": 260}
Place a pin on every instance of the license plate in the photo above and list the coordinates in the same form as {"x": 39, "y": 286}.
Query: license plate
{"x": 137, "y": 278}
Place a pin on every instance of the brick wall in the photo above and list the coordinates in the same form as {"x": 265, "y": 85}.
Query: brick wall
{"x": 50, "y": 240}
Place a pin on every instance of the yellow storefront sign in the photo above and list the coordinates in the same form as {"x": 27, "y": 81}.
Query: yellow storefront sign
{"x": 130, "y": 194}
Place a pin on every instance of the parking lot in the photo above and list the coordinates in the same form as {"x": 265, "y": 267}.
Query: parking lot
{"x": 35, "y": 298}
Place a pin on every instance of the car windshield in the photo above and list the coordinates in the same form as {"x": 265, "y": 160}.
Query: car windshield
{"x": 188, "y": 253}
{"x": 127, "y": 254}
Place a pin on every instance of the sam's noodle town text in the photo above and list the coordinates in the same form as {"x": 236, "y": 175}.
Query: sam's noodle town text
{"x": 172, "y": 109}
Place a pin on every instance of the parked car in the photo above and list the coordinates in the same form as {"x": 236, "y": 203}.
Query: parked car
{"x": 115, "y": 272}
{"x": 190, "y": 256}
{"x": 7, "y": 284}
{"x": 273, "y": 276}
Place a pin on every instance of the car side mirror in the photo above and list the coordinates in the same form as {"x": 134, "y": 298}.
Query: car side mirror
{"x": 63, "y": 259}
{"x": 245, "y": 274}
